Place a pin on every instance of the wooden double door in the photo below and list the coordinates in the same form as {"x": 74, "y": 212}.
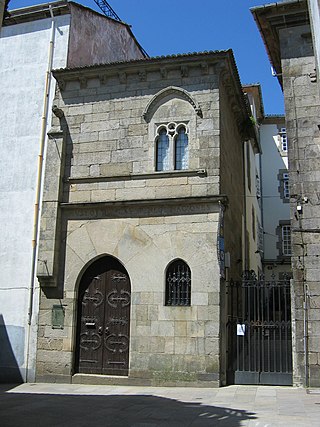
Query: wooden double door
{"x": 103, "y": 326}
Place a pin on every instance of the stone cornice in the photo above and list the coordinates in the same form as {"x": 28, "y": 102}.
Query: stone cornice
{"x": 205, "y": 62}
{"x": 222, "y": 198}
{"x": 236, "y": 101}
{"x": 144, "y": 207}
{"x": 270, "y": 19}
{"x": 36, "y": 12}
{"x": 132, "y": 177}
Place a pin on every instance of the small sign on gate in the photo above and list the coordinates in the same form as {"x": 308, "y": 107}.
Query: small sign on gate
{"x": 241, "y": 329}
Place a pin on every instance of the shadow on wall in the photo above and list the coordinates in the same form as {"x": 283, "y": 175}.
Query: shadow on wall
{"x": 9, "y": 367}
{"x": 113, "y": 410}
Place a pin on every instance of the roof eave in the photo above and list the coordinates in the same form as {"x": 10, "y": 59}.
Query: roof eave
{"x": 147, "y": 61}
{"x": 271, "y": 18}
{"x": 36, "y": 12}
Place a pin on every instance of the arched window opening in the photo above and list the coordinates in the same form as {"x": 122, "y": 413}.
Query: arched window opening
{"x": 162, "y": 151}
{"x": 178, "y": 284}
{"x": 172, "y": 147}
{"x": 181, "y": 149}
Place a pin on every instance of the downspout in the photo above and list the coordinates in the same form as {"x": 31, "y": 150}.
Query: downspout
{"x": 44, "y": 119}
{"x": 245, "y": 262}
{"x": 305, "y": 337}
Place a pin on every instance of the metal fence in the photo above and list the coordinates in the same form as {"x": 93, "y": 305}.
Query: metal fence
{"x": 259, "y": 331}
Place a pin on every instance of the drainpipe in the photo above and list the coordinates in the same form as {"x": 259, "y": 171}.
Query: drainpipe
{"x": 305, "y": 338}
{"x": 245, "y": 262}
{"x": 44, "y": 119}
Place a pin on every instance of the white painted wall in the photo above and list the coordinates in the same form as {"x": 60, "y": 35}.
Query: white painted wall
{"x": 274, "y": 209}
{"x": 23, "y": 63}
{"x": 253, "y": 205}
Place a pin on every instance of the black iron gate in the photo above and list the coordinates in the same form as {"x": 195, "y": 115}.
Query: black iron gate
{"x": 259, "y": 331}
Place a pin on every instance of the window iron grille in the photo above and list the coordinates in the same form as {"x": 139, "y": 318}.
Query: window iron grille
{"x": 178, "y": 284}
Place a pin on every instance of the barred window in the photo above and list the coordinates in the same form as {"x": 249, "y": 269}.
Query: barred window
{"x": 178, "y": 284}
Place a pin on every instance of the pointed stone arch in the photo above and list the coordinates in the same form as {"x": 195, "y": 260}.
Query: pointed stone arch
{"x": 169, "y": 92}
{"x": 103, "y": 318}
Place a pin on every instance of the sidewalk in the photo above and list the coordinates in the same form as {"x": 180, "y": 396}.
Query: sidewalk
{"x": 48, "y": 405}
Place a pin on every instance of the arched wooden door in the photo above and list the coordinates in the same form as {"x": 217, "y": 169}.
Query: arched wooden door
{"x": 103, "y": 325}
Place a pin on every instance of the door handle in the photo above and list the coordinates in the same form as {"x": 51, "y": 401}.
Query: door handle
{"x": 100, "y": 330}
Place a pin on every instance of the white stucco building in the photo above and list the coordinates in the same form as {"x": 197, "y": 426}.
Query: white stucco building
{"x": 276, "y": 197}
{"x": 33, "y": 41}
{"x": 268, "y": 207}
{"x": 253, "y": 247}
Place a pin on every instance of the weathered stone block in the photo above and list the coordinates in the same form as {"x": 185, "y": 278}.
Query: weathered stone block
{"x": 102, "y": 195}
{"x": 212, "y": 329}
{"x": 157, "y": 344}
{"x": 162, "y": 328}
{"x": 180, "y": 328}
{"x": 162, "y": 364}
{"x": 173, "y": 191}
{"x": 80, "y": 196}
{"x": 79, "y": 171}
{"x": 185, "y": 345}
{"x": 195, "y": 329}
{"x": 116, "y": 169}
{"x": 199, "y": 298}
{"x": 135, "y": 193}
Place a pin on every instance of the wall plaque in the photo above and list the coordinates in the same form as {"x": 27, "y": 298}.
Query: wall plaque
{"x": 58, "y": 314}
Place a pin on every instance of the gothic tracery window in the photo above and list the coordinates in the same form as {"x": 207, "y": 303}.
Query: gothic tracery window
{"x": 181, "y": 149}
{"x": 162, "y": 151}
{"x": 172, "y": 147}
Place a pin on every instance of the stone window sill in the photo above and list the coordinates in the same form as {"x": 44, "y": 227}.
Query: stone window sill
{"x": 131, "y": 177}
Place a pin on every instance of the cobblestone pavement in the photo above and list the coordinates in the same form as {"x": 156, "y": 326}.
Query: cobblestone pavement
{"x": 48, "y": 405}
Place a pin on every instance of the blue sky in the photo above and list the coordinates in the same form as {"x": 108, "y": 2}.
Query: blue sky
{"x": 180, "y": 26}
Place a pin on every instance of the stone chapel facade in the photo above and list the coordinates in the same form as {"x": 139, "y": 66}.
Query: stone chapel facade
{"x": 143, "y": 195}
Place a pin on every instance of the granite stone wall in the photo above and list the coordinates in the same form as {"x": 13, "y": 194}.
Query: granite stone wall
{"x": 302, "y": 120}
{"x": 103, "y": 196}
